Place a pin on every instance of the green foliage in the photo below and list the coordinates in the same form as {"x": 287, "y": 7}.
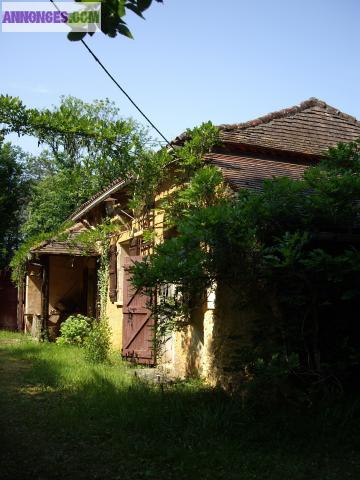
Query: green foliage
{"x": 273, "y": 242}
{"x": 270, "y": 381}
{"x": 112, "y": 17}
{"x": 52, "y": 200}
{"x": 198, "y": 142}
{"x": 103, "y": 278}
{"x": 93, "y": 335}
{"x": 97, "y": 344}
{"x": 14, "y": 190}
{"x": 97, "y": 238}
{"x": 75, "y": 330}
{"x": 205, "y": 189}
{"x": 138, "y": 426}
{"x": 148, "y": 174}
{"x": 89, "y": 145}
{"x": 277, "y": 243}
{"x": 157, "y": 171}
{"x": 13, "y": 116}
{"x": 345, "y": 158}
{"x": 207, "y": 249}
{"x": 74, "y": 127}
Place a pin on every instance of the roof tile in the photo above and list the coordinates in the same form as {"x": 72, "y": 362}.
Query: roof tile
{"x": 244, "y": 171}
{"x": 306, "y": 129}
{"x": 309, "y": 128}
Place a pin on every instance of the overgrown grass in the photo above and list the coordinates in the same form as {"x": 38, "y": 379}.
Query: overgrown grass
{"x": 62, "y": 418}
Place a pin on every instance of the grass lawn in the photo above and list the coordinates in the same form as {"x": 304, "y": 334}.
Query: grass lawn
{"x": 62, "y": 418}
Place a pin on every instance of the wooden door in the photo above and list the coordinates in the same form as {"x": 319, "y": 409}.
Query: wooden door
{"x": 138, "y": 331}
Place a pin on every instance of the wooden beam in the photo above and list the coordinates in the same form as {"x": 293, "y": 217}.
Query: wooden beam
{"x": 45, "y": 297}
{"x": 21, "y": 305}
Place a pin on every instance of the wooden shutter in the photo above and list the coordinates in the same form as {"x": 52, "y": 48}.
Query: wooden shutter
{"x": 135, "y": 246}
{"x": 112, "y": 273}
{"x": 138, "y": 332}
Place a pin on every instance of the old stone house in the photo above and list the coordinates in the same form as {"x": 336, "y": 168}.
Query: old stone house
{"x": 61, "y": 281}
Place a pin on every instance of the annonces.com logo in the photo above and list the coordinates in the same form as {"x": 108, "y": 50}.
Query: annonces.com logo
{"x": 47, "y": 17}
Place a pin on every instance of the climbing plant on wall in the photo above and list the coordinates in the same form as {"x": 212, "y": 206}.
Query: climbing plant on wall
{"x": 276, "y": 243}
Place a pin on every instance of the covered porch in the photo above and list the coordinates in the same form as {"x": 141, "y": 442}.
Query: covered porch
{"x": 61, "y": 280}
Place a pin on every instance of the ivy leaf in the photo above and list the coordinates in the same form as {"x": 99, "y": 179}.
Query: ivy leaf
{"x": 76, "y": 36}
{"x": 123, "y": 29}
{"x": 143, "y": 4}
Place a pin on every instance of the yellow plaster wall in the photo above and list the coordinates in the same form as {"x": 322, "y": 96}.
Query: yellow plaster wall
{"x": 114, "y": 310}
{"x": 207, "y": 361}
{"x": 235, "y": 321}
{"x": 210, "y": 347}
{"x": 193, "y": 348}
{"x": 186, "y": 353}
{"x": 115, "y": 318}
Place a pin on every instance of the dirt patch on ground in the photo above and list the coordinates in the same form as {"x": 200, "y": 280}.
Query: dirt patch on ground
{"x": 9, "y": 341}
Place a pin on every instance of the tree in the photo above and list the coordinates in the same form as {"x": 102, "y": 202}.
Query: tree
{"x": 14, "y": 190}
{"x": 88, "y": 145}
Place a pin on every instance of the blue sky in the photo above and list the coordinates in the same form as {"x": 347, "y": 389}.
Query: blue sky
{"x": 191, "y": 61}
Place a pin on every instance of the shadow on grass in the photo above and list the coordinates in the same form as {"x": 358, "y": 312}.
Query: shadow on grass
{"x": 67, "y": 419}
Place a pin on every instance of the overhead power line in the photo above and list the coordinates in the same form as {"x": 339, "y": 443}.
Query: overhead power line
{"x": 118, "y": 85}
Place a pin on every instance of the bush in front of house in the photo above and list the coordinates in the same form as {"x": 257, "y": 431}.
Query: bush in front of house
{"x": 75, "y": 330}
{"x": 97, "y": 344}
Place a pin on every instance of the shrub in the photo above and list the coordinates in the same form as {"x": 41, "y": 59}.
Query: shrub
{"x": 75, "y": 330}
{"x": 97, "y": 343}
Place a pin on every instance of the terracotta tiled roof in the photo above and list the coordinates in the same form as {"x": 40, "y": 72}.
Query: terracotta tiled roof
{"x": 62, "y": 248}
{"x": 306, "y": 129}
{"x": 244, "y": 171}
{"x": 309, "y": 128}
{"x": 69, "y": 247}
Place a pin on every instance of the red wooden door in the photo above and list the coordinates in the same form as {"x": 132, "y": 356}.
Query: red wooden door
{"x": 138, "y": 332}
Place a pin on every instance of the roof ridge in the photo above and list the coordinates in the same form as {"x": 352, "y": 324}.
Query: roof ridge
{"x": 287, "y": 112}
{"x": 263, "y": 120}
{"x": 117, "y": 180}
